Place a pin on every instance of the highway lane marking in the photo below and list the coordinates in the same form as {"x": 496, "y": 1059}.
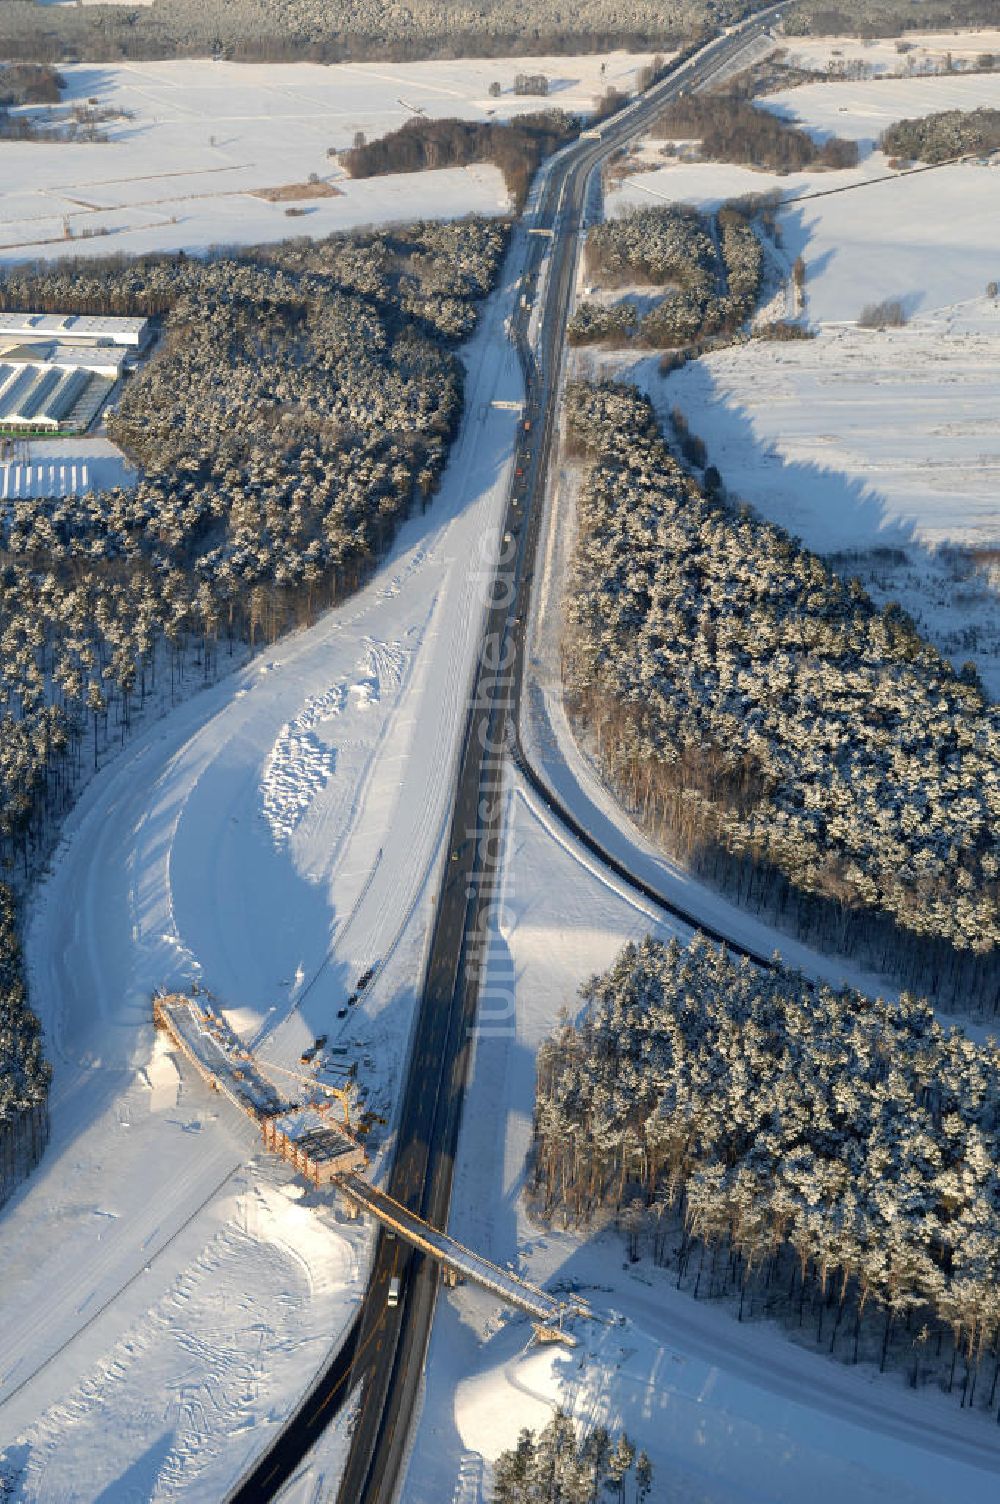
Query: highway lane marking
{"x": 343, "y": 1378}
{"x": 555, "y": 298}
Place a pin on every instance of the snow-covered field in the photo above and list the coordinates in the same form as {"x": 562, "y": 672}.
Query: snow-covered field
{"x": 165, "y": 1292}
{"x": 862, "y": 110}
{"x": 929, "y": 239}
{"x": 880, "y": 448}
{"x": 161, "y": 1283}
{"x": 919, "y": 50}
{"x": 880, "y": 445}
{"x": 729, "y": 1413}
{"x": 61, "y": 467}
{"x": 204, "y": 137}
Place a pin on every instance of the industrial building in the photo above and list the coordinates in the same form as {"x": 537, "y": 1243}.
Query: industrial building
{"x": 73, "y": 329}
{"x": 57, "y": 371}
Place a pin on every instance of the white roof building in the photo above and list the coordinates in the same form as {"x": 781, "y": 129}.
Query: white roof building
{"x": 57, "y": 370}
{"x": 75, "y": 328}
{"x": 106, "y": 360}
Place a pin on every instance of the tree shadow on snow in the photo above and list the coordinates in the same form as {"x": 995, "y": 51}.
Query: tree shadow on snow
{"x": 820, "y": 134}
{"x": 838, "y": 511}
{"x": 138, "y": 1482}
{"x": 845, "y": 519}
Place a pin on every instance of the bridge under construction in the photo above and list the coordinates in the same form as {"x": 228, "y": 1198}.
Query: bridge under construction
{"x": 329, "y": 1153}
{"x": 456, "y": 1258}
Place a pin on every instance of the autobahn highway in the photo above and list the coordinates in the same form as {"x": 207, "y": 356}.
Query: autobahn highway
{"x": 383, "y": 1355}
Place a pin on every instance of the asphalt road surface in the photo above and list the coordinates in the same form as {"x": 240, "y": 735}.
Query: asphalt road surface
{"x": 386, "y": 1347}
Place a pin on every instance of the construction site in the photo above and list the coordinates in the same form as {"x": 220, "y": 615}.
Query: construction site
{"x": 312, "y": 1128}
{"x": 300, "y": 1132}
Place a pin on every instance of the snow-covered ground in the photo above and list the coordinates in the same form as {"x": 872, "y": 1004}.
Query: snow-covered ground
{"x": 59, "y": 467}
{"x": 162, "y": 1285}
{"x": 729, "y": 1413}
{"x": 160, "y": 1282}
{"x": 880, "y": 447}
{"x": 862, "y": 110}
{"x": 929, "y": 239}
{"x": 881, "y": 450}
{"x": 205, "y": 137}
{"x": 887, "y": 56}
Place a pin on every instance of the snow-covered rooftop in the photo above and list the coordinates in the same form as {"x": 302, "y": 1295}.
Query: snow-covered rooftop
{"x": 104, "y": 358}
{"x": 74, "y": 326}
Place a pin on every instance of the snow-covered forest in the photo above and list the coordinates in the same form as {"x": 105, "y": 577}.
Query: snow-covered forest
{"x": 24, "y": 1075}
{"x": 819, "y": 1155}
{"x": 557, "y": 1467}
{"x": 730, "y": 129}
{"x": 809, "y": 752}
{"x": 884, "y": 18}
{"x": 515, "y": 146}
{"x": 713, "y": 264}
{"x": 291, "y": 30}
{"x": 300, "y": 402}
{"x": 949, "y": 133}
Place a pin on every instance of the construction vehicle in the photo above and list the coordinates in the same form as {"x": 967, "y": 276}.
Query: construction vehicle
{"x": 367, "y": 1121}
{"x": 313, "y": 1049}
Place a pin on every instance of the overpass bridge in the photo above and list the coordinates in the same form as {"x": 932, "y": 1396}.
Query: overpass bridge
{"x": 329, "y": 1154}
{"x": 459, "y": 1260}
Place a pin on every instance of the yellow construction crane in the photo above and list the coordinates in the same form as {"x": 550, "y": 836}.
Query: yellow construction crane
{"x": 341, "y": 1093}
